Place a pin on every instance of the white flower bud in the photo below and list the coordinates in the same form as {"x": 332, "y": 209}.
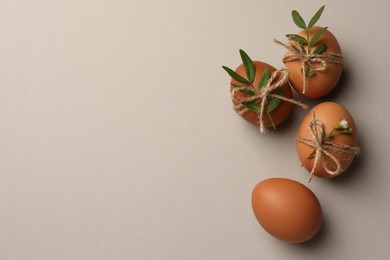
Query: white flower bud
{"x": 344, "y": 124}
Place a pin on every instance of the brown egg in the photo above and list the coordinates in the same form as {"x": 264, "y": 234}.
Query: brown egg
{"x": 286, "y": 209}
{"x": 321, "y": 83}
{"x": 280, "y": 113}
{"x": 329, "y": 114}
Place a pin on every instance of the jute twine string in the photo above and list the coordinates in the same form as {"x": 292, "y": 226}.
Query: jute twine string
{"x": 277, "y": 80}
{"x": 310, "y": 62}
{"x": 322, "y": 147}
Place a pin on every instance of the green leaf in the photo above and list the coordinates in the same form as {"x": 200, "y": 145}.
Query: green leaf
{"x": 316, "y": 17}
{"x": 252, "y": 106}
{"x": 248, "y": 92}
{"x": 274, "y": 102}
{"x": 347, "y": 131}
{"x": 298, "y": 38}
{"x": 312, "y": 155}
{"x": 320, "y": 49}
{"x": 264, "y": 78}
{"x": 249, "y": 67}
{"x": 236, "y": 76}
{"x": 298, "y": 19}
{"x": 317, "y": 35}
{"x": 311, "y": 73}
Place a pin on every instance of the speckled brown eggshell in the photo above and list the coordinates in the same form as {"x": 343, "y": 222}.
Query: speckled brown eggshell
{"x": 280, "y": 113}
{"x": 287, "y": 209}
{"x": 322, "y": 82}
{"x": 330, "y": 114}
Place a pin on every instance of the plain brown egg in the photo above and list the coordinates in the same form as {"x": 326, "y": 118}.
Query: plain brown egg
{"x": 322, "y": 82}
{"x": 287, "y": 209}
{"x": 330, "y": 114}
{"x": 280, "y": 113}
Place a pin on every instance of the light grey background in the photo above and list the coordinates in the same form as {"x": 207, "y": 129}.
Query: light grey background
{"x": 118, "y": 141}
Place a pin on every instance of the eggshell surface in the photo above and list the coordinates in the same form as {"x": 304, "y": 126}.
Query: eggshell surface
{"x": 321, "y": 83}
{"x": 280, "y": 113}
{"x": 287, "y": 209}
{"x": 330, "y": 114}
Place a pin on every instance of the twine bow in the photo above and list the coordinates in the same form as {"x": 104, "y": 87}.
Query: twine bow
{"x": 322, "y": 147}
{"x": 260, "y": 97}
{"x": 311, "y": 61}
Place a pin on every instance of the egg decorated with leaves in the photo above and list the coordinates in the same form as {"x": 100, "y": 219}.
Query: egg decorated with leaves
{"x": 318, "y": 69}
{"x": 247, "y": 81}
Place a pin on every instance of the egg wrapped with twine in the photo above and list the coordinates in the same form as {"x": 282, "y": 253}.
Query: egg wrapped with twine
{"x": 313, "y": 57}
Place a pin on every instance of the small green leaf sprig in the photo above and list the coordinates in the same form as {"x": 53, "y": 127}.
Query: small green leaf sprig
{"x": 298, "y": 20}
{"x": 341, "y": 128}
{"x": 251, "y": 91}
{"x": 263, "y": 98}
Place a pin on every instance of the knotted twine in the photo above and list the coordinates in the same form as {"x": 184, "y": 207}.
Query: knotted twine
{"x": 311, "y": 61}
{"x": 260, "y": 97}
{"x": 322, "y": 147}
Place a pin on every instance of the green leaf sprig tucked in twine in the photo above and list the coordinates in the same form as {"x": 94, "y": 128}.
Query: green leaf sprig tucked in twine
{"x": 264, "y": 98}
{"x": 312, "y": 62}
{"x": 322, "y": 146}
